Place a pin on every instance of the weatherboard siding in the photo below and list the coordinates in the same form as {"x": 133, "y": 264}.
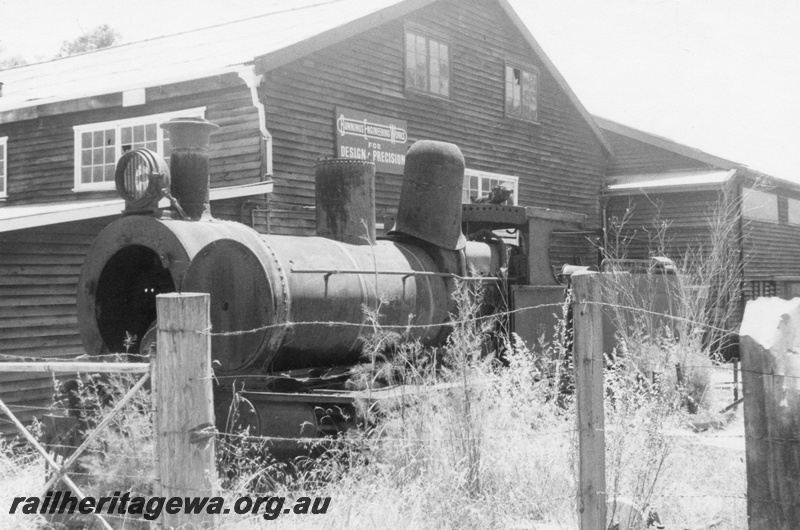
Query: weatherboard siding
{"x": 559, "y": 162}
{"x": 41, "y": 151}
{"x": 636, "y": 157}
{"x": 39, "y": 270}
{"x": 771, "y": 249}
{"x": 686, "y": 215}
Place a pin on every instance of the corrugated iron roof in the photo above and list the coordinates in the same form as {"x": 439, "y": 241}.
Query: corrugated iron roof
{"x": 669, "y": 181}
{"x": 174, "y": 58}
{"x": 280, "y": 35}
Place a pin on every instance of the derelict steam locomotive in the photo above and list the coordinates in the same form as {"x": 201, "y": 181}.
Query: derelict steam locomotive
{"x": 276, "y": 300}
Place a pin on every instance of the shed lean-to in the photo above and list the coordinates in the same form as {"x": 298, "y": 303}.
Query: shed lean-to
{"x": 66, "y": 120}
{"x": 656, "y": 179}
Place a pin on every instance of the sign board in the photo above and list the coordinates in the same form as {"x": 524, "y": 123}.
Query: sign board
{"x": 379, "y": 139}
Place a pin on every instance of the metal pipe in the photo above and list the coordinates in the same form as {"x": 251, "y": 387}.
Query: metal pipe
{"x": 397, "y": 273}
{"x": 58, "y": 367}
{"x": 253, "y": 81}
{"x": 188, "y": 164}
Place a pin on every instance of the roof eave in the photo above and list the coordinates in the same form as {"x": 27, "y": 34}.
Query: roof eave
{"x": 654, "y": 188}
{"x": 278, "y": 58}
{"x": 663, "y": 189}
{"x": 109, "y": 207}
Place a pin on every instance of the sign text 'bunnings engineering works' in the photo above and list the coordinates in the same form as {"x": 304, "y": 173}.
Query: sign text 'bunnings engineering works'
{"x": 379, "y": 139}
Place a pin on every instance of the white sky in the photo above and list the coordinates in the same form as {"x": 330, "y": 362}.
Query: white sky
{"x": 719, "y": 75}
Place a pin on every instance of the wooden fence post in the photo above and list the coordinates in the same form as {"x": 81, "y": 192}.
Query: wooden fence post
{"x": 184, "y": 408}
{"x": 589, "y": 363}
{"x": 770, "y": 342}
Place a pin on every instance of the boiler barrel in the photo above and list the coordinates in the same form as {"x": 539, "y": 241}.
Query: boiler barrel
{"x": 276, "y": 301}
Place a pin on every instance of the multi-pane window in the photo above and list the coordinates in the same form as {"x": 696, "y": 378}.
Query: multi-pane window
{"x": 4, "y": 166}
{"x": 522, "y": 93}
{"x": 99, "y": 145}
{"x": 762, "y": 288}
{"x": 427, "y": 65}
{"x": 489, "y": 187}
{"x": 759, "y": 205}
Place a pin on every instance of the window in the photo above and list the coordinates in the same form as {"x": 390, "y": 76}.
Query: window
{"x": 760, "y": 206}
{"x": 98, "y": 146}
{"x": 522, "y": 93}
{"x": 794, "y": 212}
{"x": 3, "y": 166}
{"x": 479, "y": 184}
{"x": 427, "y": 65}
{"x": 762, "y": 288}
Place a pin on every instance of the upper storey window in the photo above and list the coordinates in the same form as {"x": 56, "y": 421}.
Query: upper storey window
{"x": 3, "y": 166}
{"x": 522, "y": 93}
{"x": 427, "y": 65}
{"x": 98, "y": 146}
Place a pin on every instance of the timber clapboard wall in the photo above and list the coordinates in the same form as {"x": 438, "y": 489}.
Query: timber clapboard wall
{"x": 633, "y": 156}
{"x": 560, "y": 160}
{"x": 39, "y": 271}
{"x": 41, "y": 157}
{"x": 772, "y": 249}
{"x": 39, "y": 267}
{"x": 769, "y": 250}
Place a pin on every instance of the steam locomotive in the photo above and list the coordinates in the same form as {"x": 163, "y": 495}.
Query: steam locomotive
{"x": 287, "y": 312}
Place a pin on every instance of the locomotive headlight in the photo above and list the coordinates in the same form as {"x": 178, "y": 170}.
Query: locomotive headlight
{"x": 141, "y": 178}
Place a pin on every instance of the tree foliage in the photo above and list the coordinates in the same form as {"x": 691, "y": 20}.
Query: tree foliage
{"x": 100, "y": 37}
{"x": 10, "y": 61}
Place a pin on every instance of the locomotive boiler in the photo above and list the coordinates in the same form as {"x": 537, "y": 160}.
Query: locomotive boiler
{"x": 289, "y": 313}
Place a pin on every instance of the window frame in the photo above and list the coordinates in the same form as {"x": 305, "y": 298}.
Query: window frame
{"x": 117, "y": 125}
{"x": 506, "y": 235}
{"x": 532, "y": 70}
{"x": 796, "y": 221}
{"x": 469, "y": 173}
{"x": 747, "y": 210}
{"x": 439, "y": 39}
{"x": 4, "y": 167}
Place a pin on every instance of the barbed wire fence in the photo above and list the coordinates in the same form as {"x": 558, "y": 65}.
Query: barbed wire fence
{"x": 576, "y": 432}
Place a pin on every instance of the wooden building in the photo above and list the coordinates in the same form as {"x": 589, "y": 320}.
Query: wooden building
{"x": 345, "y": 78}
{"x": 653, "y": 178}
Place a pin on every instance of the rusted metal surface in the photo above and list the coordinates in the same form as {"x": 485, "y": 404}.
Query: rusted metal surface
{"x": 345, "y": 200}
{"x": 189, "y": 164}
{"x": 274, "y": 301}
{"x": 536, "y": 226}
{"x": 430, "y": 200}
{"x": 133, "y": 260}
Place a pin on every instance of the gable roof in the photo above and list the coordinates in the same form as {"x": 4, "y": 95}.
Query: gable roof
{"x": 688, "y": 178}
{"x": 174, "y": 58}
{"x": 269, "y": 41}
{"x": 667, "y": 144}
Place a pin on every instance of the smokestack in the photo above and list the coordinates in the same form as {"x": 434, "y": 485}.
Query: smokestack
{"x": 345, "y": 200}
{"x": 189, "y": 164}
{"x": 430, "y": 200}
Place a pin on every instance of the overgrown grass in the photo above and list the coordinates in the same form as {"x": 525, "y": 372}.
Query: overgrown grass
{"x": 471, "y": 442}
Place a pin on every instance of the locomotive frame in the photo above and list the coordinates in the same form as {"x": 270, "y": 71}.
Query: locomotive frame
{"x": 287, "y": 312}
